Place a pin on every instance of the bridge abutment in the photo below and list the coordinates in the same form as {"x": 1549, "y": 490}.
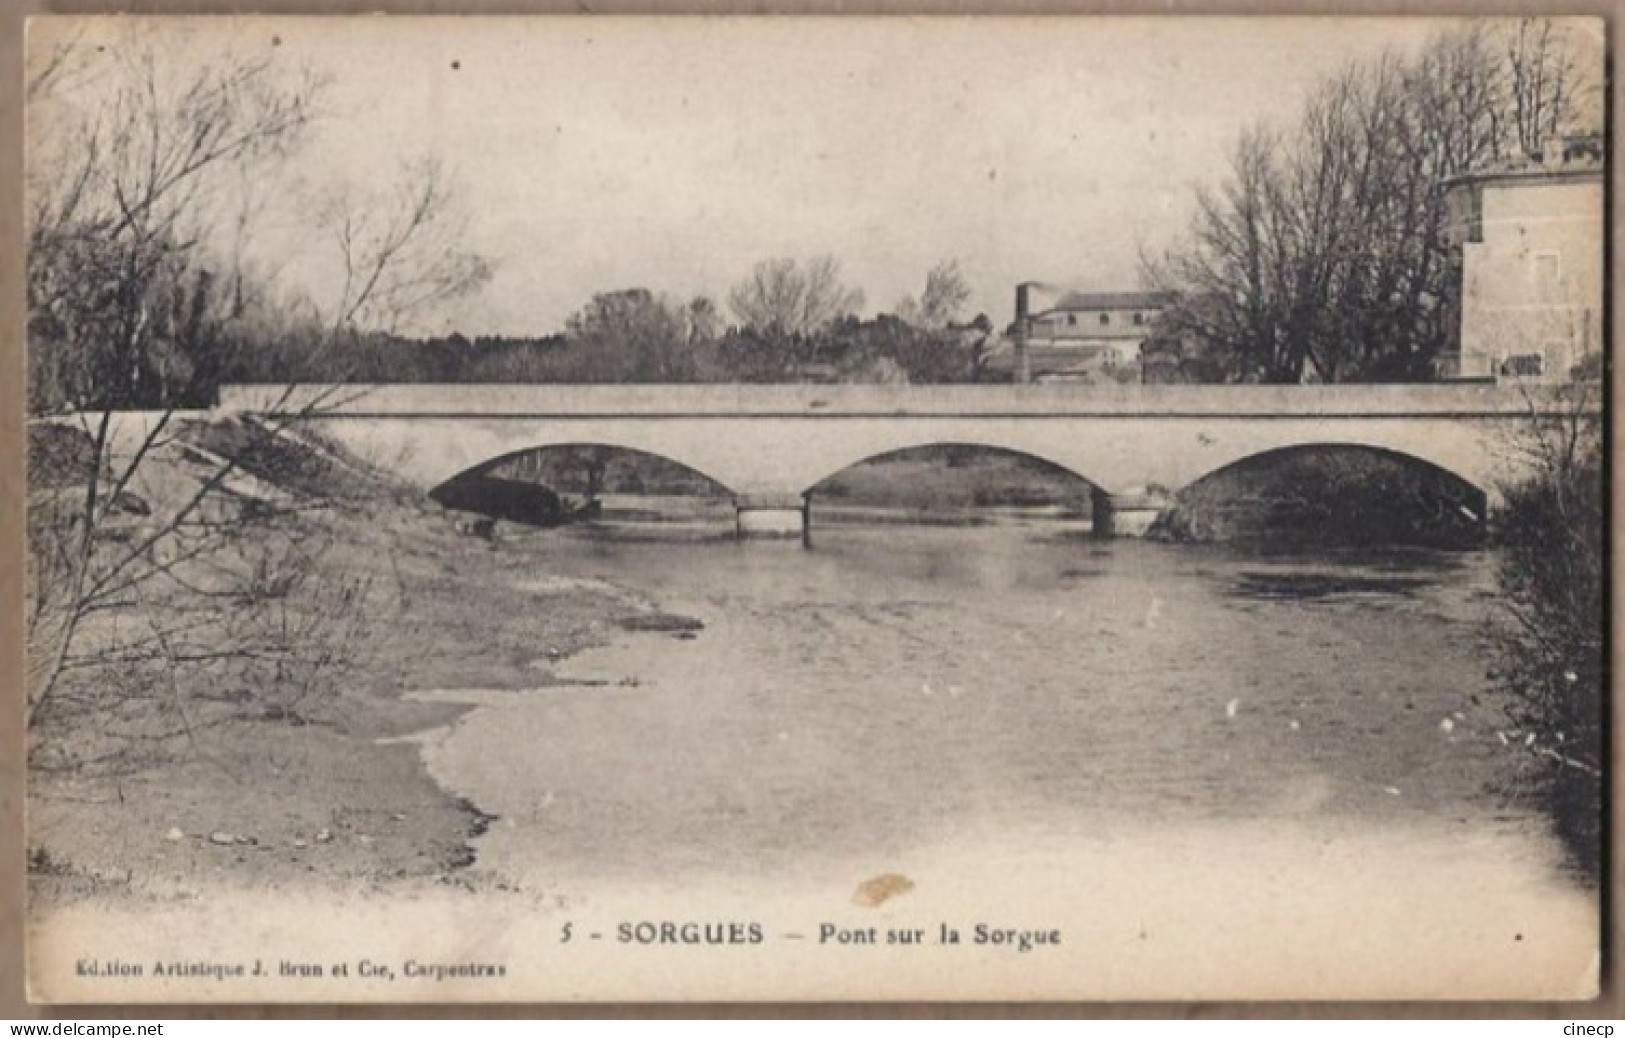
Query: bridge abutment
{"x": 772, "y": 517}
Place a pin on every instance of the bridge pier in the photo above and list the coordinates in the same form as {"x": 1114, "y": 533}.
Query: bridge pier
{"x": 1124, "y": 515}
{"x": 1101, "y": 517}
{"x": 772, "y": 517}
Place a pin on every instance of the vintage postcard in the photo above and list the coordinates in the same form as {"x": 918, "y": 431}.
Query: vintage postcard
{"x": 652, "y": 509}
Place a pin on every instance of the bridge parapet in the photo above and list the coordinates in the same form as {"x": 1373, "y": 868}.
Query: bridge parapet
{"x": 1435, "y": 400}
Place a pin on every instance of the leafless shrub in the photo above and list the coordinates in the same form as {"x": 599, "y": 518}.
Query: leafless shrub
{"x": 260, "y": 627}
{"x": 1549, "y": 644}
{"x": 170, "y": 585}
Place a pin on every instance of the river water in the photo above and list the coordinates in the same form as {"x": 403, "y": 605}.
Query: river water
{"x": 1215, "y": 772}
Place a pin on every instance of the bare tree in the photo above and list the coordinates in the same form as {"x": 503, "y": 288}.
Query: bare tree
{"x": 1323, "y": 257}
{"x": 785, "y": 297}
{"x": 129, "y": 162}
{"x": 112, "y": 243}
{"x": 1229, "y": 282}
{"x": 1551, "y": 89}
{"x": 945, "y": 296}
{"x": 131, "y": 301}
{"x": 401, "y": 252}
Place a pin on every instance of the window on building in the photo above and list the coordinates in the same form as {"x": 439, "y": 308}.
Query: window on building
{"x": 1105, "y": 318}
{"x": 1139, "y": 318}
{"x": 1071, "y": 318}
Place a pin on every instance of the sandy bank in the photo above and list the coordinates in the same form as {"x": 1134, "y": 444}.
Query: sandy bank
{"x": 334, "y": 798}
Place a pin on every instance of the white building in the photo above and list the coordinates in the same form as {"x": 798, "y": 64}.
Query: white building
{"x": 1531, "y": 255}
{"x": 1072, "y": 336}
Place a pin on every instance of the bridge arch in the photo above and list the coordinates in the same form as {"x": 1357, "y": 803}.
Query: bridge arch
{"x": 530, "y": 485}
{"x": 490, "y": 465}
{"x": 1334, "y": 492}
{"x": 853, "y": 459}
{"x": 1407, "y": 457}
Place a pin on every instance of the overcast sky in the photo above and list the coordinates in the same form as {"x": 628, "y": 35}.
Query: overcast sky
{"x": 672, "y": 154}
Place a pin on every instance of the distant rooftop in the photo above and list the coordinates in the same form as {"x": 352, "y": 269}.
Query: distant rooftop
{"x": 1109, "y": 301}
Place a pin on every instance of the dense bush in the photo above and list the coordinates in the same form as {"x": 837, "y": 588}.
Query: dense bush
{"x": 1551, "y": 655}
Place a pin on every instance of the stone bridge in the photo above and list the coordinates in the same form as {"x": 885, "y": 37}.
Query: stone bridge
{"x": 769, "y": 445}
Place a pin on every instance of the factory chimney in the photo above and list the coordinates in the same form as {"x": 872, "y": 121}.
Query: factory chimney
{"x": 1024, "y": 371}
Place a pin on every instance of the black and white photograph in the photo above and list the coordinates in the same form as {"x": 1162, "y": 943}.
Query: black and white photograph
{"x": 815, "y": 509}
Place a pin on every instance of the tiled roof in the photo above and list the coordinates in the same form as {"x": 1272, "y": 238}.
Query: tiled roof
{"x": 1109, "y": 301}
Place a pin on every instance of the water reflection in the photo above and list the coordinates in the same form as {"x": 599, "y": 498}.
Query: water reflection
{"x": 1307, "y": 586}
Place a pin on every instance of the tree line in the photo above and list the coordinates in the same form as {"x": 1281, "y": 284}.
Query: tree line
{"x": 792, "y": 320}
